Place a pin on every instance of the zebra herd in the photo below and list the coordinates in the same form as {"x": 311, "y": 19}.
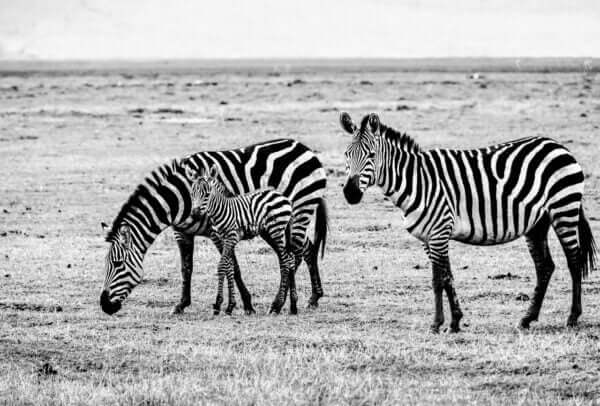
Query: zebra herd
{"x": 276, "y": 190}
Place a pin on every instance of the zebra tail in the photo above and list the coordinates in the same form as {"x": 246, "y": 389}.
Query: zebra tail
{"x": 289, "y": 241}
{"x": 321, "y": 227}
{"x": 587, "y": 246}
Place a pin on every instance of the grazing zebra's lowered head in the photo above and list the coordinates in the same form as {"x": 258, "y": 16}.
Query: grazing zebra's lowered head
{"x": 161, "y": 200}
{"x": 360, "y": 155}
{"x": 122, "y": 275}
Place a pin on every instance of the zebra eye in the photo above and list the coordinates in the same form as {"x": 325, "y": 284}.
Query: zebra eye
{"x": 118, "y": 264}
{"x": 372, "y": 154}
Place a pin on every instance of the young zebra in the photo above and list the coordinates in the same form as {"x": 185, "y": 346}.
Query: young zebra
{"x": 267, "y": 213}
{"x": 485, "y": 196}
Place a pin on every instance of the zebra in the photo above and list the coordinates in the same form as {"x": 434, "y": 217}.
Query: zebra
{"x": 484, "y": 196}
{"x": 163, "y": 199}
{"x": 267, "y": 213}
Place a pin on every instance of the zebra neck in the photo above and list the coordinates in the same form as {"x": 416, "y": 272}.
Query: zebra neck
{"x": 217, "y": 207}
{"x": 405, "y": 179}
{"x": 141, "y": 244}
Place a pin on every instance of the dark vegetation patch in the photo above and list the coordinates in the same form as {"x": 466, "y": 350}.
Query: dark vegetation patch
{"x": 201, "y": 84}
{"x": 136, "y": 112}
{"x": 157, "y": 281}
{"x": 335, "y": 172}
{"x": 491, "y": 295}
{"x": 296, "y": 82}
{"x": 168, "y": 110}
{"x": 31, "y": 307}
{"x": 507, "y": 275}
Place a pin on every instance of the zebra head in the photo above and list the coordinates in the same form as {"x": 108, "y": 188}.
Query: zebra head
{"x": 360, "y": 155}
{"x": 122, "y": 270}
{"x": 202, "y": 187}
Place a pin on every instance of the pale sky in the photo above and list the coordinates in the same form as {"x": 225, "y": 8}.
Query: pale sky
{"x": 102, "y": 29}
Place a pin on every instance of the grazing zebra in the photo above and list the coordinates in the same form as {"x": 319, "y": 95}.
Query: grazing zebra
{"x": 485, "y": 196}
{"x": 267, "y": 213}
{"x": 163, "y": 200}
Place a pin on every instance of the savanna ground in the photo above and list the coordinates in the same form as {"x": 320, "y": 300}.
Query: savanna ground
{"x": 73, "y": 145}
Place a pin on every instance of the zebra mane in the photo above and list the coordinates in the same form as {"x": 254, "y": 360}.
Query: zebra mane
{"x": 157, "y": 175}
{"x": 402, "y": 139}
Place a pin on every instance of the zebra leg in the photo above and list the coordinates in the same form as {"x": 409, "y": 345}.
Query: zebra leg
{"x": 186, "y": 250}
{"x": 293, "y": 293}
{"x": 230, "y": 286}
{"x": 223, "y": 264}
{"x": 443, "y": 281}
{"x": 453, "y": 300}
{"x": 301, "y": 222}
{"x": 286, "y": 264}
{"x": 226, "y": 269}
{"x": 537, "y": 242}
{"x": 567, "y": 235}
{"x": 237, "y": 276}
{"x": 438, "y": 289}
{"x": 246, "y": 297}
{"x": 311, "y": 256}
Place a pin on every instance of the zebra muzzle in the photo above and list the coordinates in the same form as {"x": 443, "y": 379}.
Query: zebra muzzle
{"x": 108, "y": 307}
{"x": 352, "y": 191}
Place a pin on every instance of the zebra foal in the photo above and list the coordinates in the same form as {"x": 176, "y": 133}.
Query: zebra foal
{"x": 267, "y": 213}
{"x": 484, "y": 196}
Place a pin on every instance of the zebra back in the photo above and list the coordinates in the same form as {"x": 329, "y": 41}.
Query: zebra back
{"x": 163, "y": 199}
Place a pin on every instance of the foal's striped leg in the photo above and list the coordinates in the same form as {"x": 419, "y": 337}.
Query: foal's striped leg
{"x": 226, "y": 269}
{"x": 237, "y": 276}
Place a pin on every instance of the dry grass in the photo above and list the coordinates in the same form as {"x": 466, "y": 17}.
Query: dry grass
{"x": 73, "y": 150}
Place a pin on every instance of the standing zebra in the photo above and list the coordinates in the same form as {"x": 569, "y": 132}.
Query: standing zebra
{"x": 267, "y": 213}
{"x": 163, "y": 200}
{"x": 485, "y": 196}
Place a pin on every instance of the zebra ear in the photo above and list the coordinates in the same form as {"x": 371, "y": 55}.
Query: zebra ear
{"x": 125, "y": 235}
{"x": 374, "y": 123}
{"x": 347, "y": 123}
{"x": 190, "y": 173}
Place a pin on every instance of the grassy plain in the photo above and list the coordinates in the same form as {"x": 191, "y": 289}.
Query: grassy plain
{"x": 74, "y": 145}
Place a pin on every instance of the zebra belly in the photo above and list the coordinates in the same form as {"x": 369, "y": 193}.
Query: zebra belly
{"x": 464, "y": 232}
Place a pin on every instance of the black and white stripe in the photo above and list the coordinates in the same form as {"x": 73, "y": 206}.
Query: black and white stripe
{"x": 485, "y": 196}
{"x": 266, "y": 213}
{"x": 163, "y": 200}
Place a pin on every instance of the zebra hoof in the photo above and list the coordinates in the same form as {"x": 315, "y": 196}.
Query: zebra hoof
{"x": 434, "y": 329}
{"x": 229, "y": 309}
{"x": 524, "y": 324}
{"x": 294, "y": 310}
{"x": 250, "y": 311}
{"x": 177, "y": 310}
{"x": 572, "y": 322}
